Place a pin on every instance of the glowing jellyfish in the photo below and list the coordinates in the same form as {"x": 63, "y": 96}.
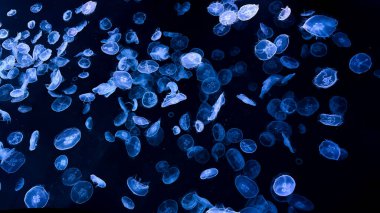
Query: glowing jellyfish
{"x": 61, "y": 162}
{"x": 209, "y": 173}
{"x": 235, "y": 159}
{"x": 98, "y": 181}
{"x": 191, "y": 60}
{"x": 307, "y": 106}
{"x": 265, "y": 50}
{"x": 338, "y": 105}
{"x": 127, "y": 203}
{"x": 284, "y": 14}
{"x": 228, "y": 17}
{"x": 36, "y": 197}
{"x": 341, "y": 39}
{"x": 284, "y": 185}
{"x": 318, "y": 49}
{"x": 70, "y": 176}
{"x": 331, "y": 119}
{"x": 138, "y": 188}
{"x": 281, "y": 42}
{"x": 171, "y": 175}
{"x": 67, "y": 139}
{"x": 15, "y": 138}
{"x": 329, "y": 150}
{"x": 248, "y": 146}
{"x": 252, "y": 169}
{"x": 81, "y": 192}
{"x": 320, "y": 26}
{"x": 300, "y": 202}
{"x": 247, "y": 12}
{"x": 360, "y": 63}
{"x": 326, "y": 78}
{"x": 61, "y": 103}
{"x": 168, "y": 206}
{"x": 246, "y": 187}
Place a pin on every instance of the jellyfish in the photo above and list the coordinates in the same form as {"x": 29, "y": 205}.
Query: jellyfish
{"x": 235, "y": 159}
{"x": 168, "y": 206}
{"x": 105, "y": 24}
{"x": 133, "y": 146}
{"x": 15, "y": 138}
{"x": 228, "y": 17}
{"x": 218, "y": 151}
{"x": 81, "y": 192}
{"x": 19, "y": 184}
{"x": 288, "y": 105}
{"x": 215, "y": 8}
{"x": 331, "y": 119}
{"x": 318, "y": 49}
{"x": 284, "y": 14}
{"x": 326, "y": 78}
{"x": 189, "y": 201}
{"x": 300, "y": 202}
{"x": 36, "y": 197}
{"x": 11, "y": 159}
{"x": 191, "y": 60}
{"x": 320, "y": 26}
{"x": 338, "y": 105}
{"x": 341, "y": 39}
{"x": 184, "y": 142}
{"x": 209, "y": 173}
{"x": 289, "y": 62}
{"x": 61, "y": 103}
{"x": 307, "y": 106}
{"x": 162, "y": 166}
{"x": 284, "y": 185}
{"x": 67, "y": 139}
{"x": 248, "y": 146}
{"x": 247, "y": 12}
{"x": 360, "y": 63}
{"x": 267, "y": 139}
{"x": 265, "y": 50}
{"x": 34, "y": 140}
{"x": 98, "y": 181}
{"x": 139, "y": 18}
{"x": 171, "y": 175}
{"x": 252, "y": 169}
{"x": 127, "y": 203}
{"x": 61, "y": 162}
{"x": 281, "y": 42}
{"x": 70, "y": 176}
{"x": 137, "y": 187}
{"x": 87, "y": 8}
{"x": 330, "y": 150}
{"x": 246, "y": 100}
{"x": 247, "y": 188}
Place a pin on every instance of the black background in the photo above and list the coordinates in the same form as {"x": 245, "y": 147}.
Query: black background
{"x": 332, "y": 186}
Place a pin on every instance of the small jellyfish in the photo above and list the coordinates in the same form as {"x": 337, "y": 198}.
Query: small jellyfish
{"x": 284, "y": 185}
{"x": 210, "y": 85}
{"x": 281, "y": 42}
{"x": 252, "y": 169}
{"x": 171, "y": 175}
{"x": 67, "y": 15}
{"x": 300, "y": 202}
{"x": 246, "y": 100}
{"x": 235, "y": 159}
{"x": 331, "y": 119}
{"x": 246, "y": 187}
{"x": 84, "y": 63}
{"x": 228, "y": 17}
{"x": 307, "y": 106}
{"x": 15, "y": 138}
{"x": 11, "y": 160}
{"x": 61, "y": 103}
{"x": 318, "y": 49}
{"x": 105, "y": 24}
{"x": 265, "y": 50}
{"x": 267, "y": 139}
{"x": 36, "y": 8}
{"x": 326, "y": 78}
{"x": 19, "y": 184}
{"x": 67, "y": 139}
{"x": 61, "y": 162}
{"x": 289, "y": 62}
{"x": 88, "y": 8}
{"x": 81, "y": 192}
{"x": 215, "y": 8}
{"x": 139, "y": 18}
{"x": 320, "y": 26}
{"x": 11, "y": 12}
{"x": 168, "y": 206}
{"x": 36, "y": 197}
{"x": 110, "y": 48}
{"x": 34, "y": 140}
{"x": 338, "y": 105}
{"x": 122, "y": 79}
{"x": 234, "y": 135}
{"x": 284, "y": 14}
{"x": 98, "y": 181}
{"x": 218, "y": 151}
{"x": 360, "y": 63}
{"x": 221, "y": 30}
{"x": 189, "y": 201}
{"x": 288, "y": 105}
{"x": 341, "y": 40}
{"x": 209, "y": 173}
{"x": 191, "y": 60}
{"x": 127, "y": 203}
{"x": 133, "y": 146}
{"x": 330, "y": 150}
{"x": 148, "y": 66}
{"x": 70, "y": 176}
{"x": 138, "y": 188}
{"x": 247, "y": 12}
{"x": 248, "y": 146}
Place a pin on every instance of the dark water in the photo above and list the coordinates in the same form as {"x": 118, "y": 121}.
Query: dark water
{"x": 332, "y": 186}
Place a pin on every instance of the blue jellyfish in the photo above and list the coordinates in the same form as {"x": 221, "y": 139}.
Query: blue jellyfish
{"x": 217, "y": 55}
{"x": 139, "y": 18}
{"x": 98, "y": 181}
{"x": 228, "y": 17}
{"x": 127, "y": 203}
{"x": 105, "y": 24}
{"x": 288, "y": 105}
{"x": 307, "y": 106}
{"x": 235, "y": 159}
{"x": 281, "y": 42}
{"x": 191, "y": 60}
{"x": 15, "y": 138}
{"x": 360, "y": 63}
{"x": 338, "y": 105}
{"x": 221, "y": 30}
{"x": 284, "y": 185}
{"x": 246, "y": 187}
{"x": 162, "y": 166}
{"x": 218, "y": 151}
{"x": 247, "y": 12}
{"x": 265, "y": 50}
{"x": 252, "y": 169}
{"x": 168, "y": 206}
{"x": 36, "y": 197}
{"x": 248, "y": 146}
{"x": 137, "y": 188}
{"x": 149, "y": 99}
{"x": 320, "y": 26}
{"x": 133, "y": 146}
{"x": 67, "y": 15}
{"x": 189, "y": 201}
{"x": 267, "y": 139}
{"x": 70, "y": 176}
{"x": 341, "y": 39}
{"x": 36, "y": 8}
{"x": 61, "y": 103}
{"x": 19, "y": 184}
{"x": 184, "y": 142}
{"x": 67, "y": 139}
{"x": 326, "y": 78}
{"x": 331, "y": 119}
{"x": 318, "y": 49}
{"x": 300, "y": 202}
{"x": 289, "y": 62}
{"x": 61, "y": 162}
{"x": 81, "y": 192}
{"x": 234, "y": 135}
{"x": 284, "y": 14}
{"x": 329, "y": 150}
{"x": 209, "y": 173}
{"x": 215, "y": 8}
{"x": 11, "y": 159}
